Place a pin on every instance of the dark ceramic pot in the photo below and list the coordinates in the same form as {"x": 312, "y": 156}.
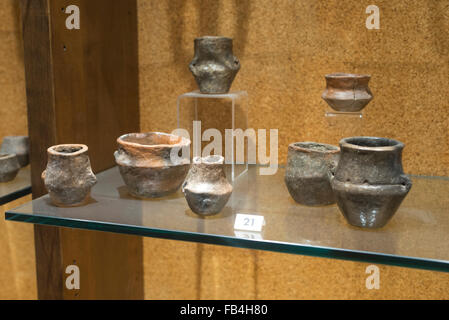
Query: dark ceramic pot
{"x": 369, "y": 181}
{"x": 206, "y": 188}
{"x": 346, "y": 92}
{"x": 148, "y": 164}
{"x": 19, "y": 145}
{"x": 9, "y": 167}
{"x": 310, "y": 166}
{"x": 214, "y": 66}
{"x": 68, "y": 176}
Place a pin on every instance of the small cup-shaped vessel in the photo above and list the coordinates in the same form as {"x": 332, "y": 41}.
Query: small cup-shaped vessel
{"x": 369, "y": 181}
{"x": 151, "y": 164}
{"x": 68, "y": 176}
{"x": 346, "y": 92}
{"x": 310, "y": 166}
{"x": 19, "y": 145}
{"x": 214, "y": 66}
{"x": 206, "y": 188}
{"x": 9, "y": 167}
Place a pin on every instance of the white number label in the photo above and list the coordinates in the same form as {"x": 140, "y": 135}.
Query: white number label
{"x": 249, "y": 222}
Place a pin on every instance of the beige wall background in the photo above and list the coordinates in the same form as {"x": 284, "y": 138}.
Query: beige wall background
{"x": 17, "y": 267}
{"x": 12, "y": 76}
{"x": 285, "y": 48}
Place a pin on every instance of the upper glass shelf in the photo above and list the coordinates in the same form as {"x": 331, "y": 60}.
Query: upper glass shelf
{"x": 417, "y": 236}
{"x": 17, "y": 188}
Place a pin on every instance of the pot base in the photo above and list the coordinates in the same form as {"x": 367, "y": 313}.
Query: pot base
{"x": 8, "y": 176}
{"x": 347, "y": 105}
{"x": 153, "y": 182}
{"x": 69, "y": 202}
{"x": 149, "y": 195}
{"x": 368, "y": 206}
{"x": 206, "y": 204}
{"x": 313, "y": 191}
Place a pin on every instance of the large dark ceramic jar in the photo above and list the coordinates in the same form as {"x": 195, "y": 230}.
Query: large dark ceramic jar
{"x": 206, "y": 188}
{"x": 68, "y": 176}
{"x": 369, "y": 181}
{"x": 214, "y": 66}
{"x": 310, "y": 166}
{"x": 346, "y": 92}
{"x": 149, "y": 164}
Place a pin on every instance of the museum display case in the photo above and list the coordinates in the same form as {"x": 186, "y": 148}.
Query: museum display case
{"x": 302, "y": 131}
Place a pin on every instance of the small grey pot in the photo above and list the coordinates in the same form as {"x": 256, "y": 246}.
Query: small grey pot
{"x": 347, "y": 92}
{"x": 149, "y": 165}
{"x": 68, "y": 176}
{"x": 206, "y": 188}
{"x": 310, "y": 166}
{"x": 214, "y": 66}
{"x": 9, "y": 167}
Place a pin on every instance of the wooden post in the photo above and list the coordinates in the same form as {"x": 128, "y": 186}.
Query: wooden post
{"x": 82, "y": 87}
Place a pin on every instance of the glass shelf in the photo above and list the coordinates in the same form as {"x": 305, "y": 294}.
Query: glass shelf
{"x": 417, "y": 236}
{"x": 17, "y": 188}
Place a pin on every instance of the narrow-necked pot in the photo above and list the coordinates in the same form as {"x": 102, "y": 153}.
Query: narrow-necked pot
{"x": 214, "y": 66}
{"x": 19, "y": 145}
{"x": 347, "y": 92}
{"x": 151, "y": 164}
{"x": 369, "y": 181}
{"x": 206, "y": 188}
{"x": 310, "y": 166}
{"x": 9, "y": 167}
{"x": 68, "y": 176}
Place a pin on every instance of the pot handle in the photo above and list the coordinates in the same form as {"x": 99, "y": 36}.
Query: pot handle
{"x": 193, "y": 68}
{"x": 406, "y": 181}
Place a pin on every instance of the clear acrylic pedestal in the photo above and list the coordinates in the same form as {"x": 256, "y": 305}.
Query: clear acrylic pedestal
{"x": 216, "y": 112}
{"x": 344, "y": 124}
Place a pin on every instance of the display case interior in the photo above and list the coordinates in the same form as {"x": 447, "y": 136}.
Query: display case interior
{"x": 313, "y": 72}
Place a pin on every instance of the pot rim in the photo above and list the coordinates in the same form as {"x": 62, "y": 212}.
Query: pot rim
{"x": 208, "y": 160}
{"x": 329, "y": 147}
{"x": 15, "y": 137}
{"x": 184, "y": 142}
{"x": 213, "y": 38}
{"x": 392, "y": 143}
{"x": 52, "y": 150}
{"x": 344, "y": 75}
{"x": 7, "y": 156}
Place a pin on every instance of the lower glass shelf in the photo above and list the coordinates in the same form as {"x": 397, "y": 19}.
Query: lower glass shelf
{"x": 417, "y": 236}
